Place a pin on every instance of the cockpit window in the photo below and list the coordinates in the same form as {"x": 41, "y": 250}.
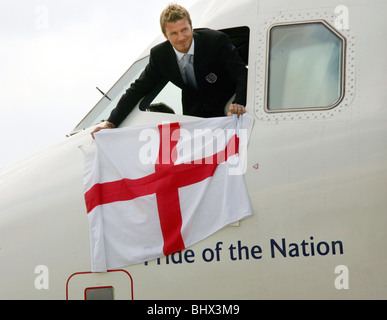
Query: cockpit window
{"x": 166, "y": 97}
{"x": 103, "y": 108}
{"x": 305, "y": 67}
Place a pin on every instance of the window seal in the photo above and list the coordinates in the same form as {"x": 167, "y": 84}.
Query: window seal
{"x": 343, "y": 67}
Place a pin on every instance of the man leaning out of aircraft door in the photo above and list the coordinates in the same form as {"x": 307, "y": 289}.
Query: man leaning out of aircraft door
{"x": 202, "y": 62}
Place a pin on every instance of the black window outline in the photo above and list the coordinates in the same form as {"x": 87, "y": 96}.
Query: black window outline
{"x": 239, "y": 37}
{"x": 343, "y": 67}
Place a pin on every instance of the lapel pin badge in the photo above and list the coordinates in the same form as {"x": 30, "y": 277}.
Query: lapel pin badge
{"x": 212, "y": 77}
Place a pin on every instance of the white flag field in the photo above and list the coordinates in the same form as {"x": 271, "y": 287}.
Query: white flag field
{"x": 156, "y": 190}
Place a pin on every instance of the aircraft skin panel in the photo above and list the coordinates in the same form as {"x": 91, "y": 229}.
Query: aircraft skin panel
{"x": 316, "y": 179}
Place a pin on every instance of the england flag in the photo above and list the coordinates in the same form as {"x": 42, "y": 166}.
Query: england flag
{"x": 155, "y": 190}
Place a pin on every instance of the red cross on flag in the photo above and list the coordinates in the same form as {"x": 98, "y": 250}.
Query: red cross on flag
{"x": 155, "y": 190}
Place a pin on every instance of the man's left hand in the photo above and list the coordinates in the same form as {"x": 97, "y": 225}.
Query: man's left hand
{"x": 236, "y": 109}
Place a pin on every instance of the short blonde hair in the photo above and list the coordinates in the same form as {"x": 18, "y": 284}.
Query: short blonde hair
{"x": 173, "y": 13}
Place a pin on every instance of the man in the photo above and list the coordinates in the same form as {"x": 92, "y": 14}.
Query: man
{"x": 203, "y": 63}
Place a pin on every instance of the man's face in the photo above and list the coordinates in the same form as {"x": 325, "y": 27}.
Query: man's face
{"x": 179, "y": 34}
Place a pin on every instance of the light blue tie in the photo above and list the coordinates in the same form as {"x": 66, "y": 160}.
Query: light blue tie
{"x": 189, "y": 71}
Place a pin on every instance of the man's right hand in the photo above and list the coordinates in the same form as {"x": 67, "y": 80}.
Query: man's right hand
{"x": 107, "y": 125}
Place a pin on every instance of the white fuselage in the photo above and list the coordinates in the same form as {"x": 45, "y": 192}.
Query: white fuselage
{"x": 317, "y": 181}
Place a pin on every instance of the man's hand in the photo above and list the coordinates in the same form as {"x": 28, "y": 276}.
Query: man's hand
{"x": 107, "y": 125}
{"x": 236, "y": 109}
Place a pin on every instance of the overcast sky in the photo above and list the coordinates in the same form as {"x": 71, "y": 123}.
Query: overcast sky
{"x": 53, "y": 55}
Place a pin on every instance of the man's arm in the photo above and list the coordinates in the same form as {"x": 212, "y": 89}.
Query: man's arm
{"x": 237, "y": 73}
{"x": 148, "y": 79}
{"x": 235, "y": 68}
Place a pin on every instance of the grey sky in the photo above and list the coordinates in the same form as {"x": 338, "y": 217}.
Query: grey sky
{"x": 52, "y": 56}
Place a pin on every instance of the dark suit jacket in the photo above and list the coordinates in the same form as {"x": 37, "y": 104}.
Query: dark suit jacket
{"x": 219, "y": 70}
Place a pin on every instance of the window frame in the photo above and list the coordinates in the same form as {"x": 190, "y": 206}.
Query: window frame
{"x": 116, "y": 91}
{"x": 239, "y": 37}
{"x": 343, "y": 67}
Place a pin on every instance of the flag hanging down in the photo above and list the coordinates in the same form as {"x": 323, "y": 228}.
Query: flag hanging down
{"x": 152, "y": 191}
